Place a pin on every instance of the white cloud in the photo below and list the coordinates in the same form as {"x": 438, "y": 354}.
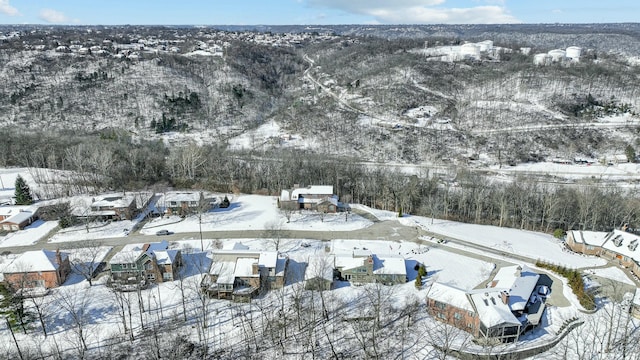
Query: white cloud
{"x": 7, "y": 9}
{"x": 53, "y": 16}
{"x": 421, "y": 11}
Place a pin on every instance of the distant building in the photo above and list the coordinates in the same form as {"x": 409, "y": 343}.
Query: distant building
{"x": 314, "y": 197}
{"x": 183, "y": 203}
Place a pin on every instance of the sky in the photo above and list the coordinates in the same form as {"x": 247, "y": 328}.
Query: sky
{"x": 320, "y": 12}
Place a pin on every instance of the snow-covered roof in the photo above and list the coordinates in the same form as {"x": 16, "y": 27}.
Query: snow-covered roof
{"x": 319, "y": 267}
{"x": 166, "y": 257}
{"x": 312, "y": 190}
{"x": 519, "y": 281}
{"x": 8, "y": 211}
{"x": 268, "y": 259}
{"x": 224, "y": 270}
{"x": 244, "y": 267}
{"x": 114, "y": 200}
{"x": 389, "y": 264}
{"x": 19, "y": 217}
{"x": 636, "y": 298}
{"x": 182, "y": 196}
{"x": 491, "y": 309}
{"x": 131, "y": 252}
{"x": 448, "y": 294}
{"x": 595, "y": 238}
{"x": 623, "y": 243}
{"x": 38, "y": 260}
{"x": 347, "y": 261}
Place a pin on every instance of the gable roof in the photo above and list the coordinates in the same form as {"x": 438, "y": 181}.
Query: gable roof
{"x": 19, "y": 218}
{"x": 622, "y": 242}
{"x": 131, "y": 252}
{"x": 448, "y": 294}
{"x": 35, "y": 261}
{"x": 490, "y": 307}
{"x": 519, "y": 281}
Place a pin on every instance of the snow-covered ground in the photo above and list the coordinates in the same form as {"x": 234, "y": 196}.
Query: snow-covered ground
{"x": 509, "y": 241}
{"x": 613, "y": 273}
{"x": 29, "y": 235}
{"x": 255, "y": 212}
{"x": 95, "y": 231}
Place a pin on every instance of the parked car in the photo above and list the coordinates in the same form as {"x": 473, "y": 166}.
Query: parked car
{"x": 163, "y": 232}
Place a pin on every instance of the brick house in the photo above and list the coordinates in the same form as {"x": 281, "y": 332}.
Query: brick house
{"x": 503, "y": 311}
{"x": 620, "y": 246}
{"x": 41, "y": 269}
{"x": 18, "y": 221}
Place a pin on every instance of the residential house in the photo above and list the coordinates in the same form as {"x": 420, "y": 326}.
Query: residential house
{"x": 118, "y": 206}
{"x": 38, "y": 270}
{"x": 319, "y": 273}
{"x": 238, "y": 273}
{"x": 182, "y": 203}
{"x": 18, "y": 221}
{"x": 617, "y": 245}
{"x": 314, "y": 197}
{"x": 585, "y": 242}
{"x": 141, "y": 264}
{"x": 503, "y": 311}
{"x": 363, "y": 267}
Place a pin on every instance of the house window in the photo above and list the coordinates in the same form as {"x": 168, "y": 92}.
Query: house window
{"x": 124, "y": 266}
{"x": 167, "y": 276}
{"x": 470, "y": 325}
{"x": 151, "y": 277}
{"x": 470, "y": 313}
{"x": 589, "y": 247}
{"x": 440, "y": 305}
{"x": 442, "y": 316}
{"x": 457, "y": 316}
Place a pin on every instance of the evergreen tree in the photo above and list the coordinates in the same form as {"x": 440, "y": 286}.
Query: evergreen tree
{"x": 23, "y": 193}
{"x": 630, "y": 152}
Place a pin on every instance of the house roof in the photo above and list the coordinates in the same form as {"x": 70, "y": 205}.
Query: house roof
{"x": 235, "y": 246}
{"x": 34, "y": 261}
{"x": 636, "y": 298}
{"x": 389, "y": 264}
{"x": 166, "y": 257}
{"x": 268, "y": 259}
{"x": 131, "y": 252}
{"x": 182, "y": 196}
{"x": 319, "y": 267}
{"x": 491, "y": 309}
{"x": 626, "y": 243}
{"x": 519, "y": 281}
{"x": 244, "y": 267}
{"x": 294, "y": 194}
{"x": 19, "y": 218}
{"x": 114, "y": 200}
{"x": 224, "y": 270}
{"x": 9, "y": 211}
{"x": 595, "y": 238}
{"x": 448, "y": 294}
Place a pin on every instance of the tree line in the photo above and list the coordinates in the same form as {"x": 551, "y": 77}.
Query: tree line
{"x": 111, "y": 161}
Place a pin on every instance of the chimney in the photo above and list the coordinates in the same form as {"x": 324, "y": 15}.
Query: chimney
{"x": 505, "y": 297}
{"x": 518, "y": 271}
{"x": 58, "y": 257}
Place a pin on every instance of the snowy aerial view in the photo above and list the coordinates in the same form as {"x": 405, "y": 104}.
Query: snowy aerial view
{"x": 319, "y": 179}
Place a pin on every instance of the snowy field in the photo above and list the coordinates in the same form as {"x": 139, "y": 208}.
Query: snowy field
{"x": 510, "y": 241}
{"x": 29, "y": 235}
{"x": 96, "y": 231}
